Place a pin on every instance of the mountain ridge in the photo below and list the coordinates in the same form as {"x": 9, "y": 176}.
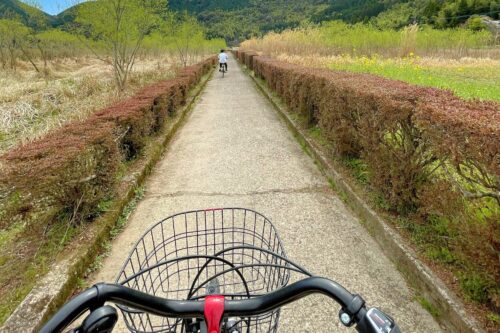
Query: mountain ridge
{"x": 16, "y": 8}
{"x": 237, "y": 20}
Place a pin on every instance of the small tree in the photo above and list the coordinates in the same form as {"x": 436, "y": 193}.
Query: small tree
{"x": 475, "y": 23}
{"x": 187, "y": 35}
{"x": 3, "y": 44}
{"x": 120, "y": 27}
{"x": 13, "y": 41}
{"x": 54, "y": 43}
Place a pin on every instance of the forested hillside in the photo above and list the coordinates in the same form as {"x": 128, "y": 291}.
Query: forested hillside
{"x": 437, "y": 13}
{"x": 240, "y": 19}
{"x": 237, "y": 20}
{"x": 31, "y": 16}
{"x": 197, "y": 6}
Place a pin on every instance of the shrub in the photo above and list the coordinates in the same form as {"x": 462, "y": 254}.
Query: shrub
{"x": 403, "y": 132}
{"x": 476, "y": 286}
{"x": 465, "y": 135}
{"x": 71, "y": 170}
{"x": 133, "y": 122}
{"x": 431, "y": 157}
{"x": 248, "y": 59}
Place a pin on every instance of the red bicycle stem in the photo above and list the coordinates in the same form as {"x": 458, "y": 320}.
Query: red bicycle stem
{"x": 214, "y": 309}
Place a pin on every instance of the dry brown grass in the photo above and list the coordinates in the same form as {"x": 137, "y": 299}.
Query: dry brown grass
{"x": 325, "y": 61}
{"x": 32, "y": 105}
{"x": 337, "y": 38}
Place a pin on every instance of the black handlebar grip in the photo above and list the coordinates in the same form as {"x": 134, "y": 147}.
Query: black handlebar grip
{"x": 89, "y": 299}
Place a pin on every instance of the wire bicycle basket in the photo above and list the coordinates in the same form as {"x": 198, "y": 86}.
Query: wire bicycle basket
{"x": 233, "y": 252}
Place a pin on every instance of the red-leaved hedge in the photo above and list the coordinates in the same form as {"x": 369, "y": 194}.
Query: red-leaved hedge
{"x": 405, "y": 133}
{"x": 432, "y": 157}
{"x": 71, "y": 170}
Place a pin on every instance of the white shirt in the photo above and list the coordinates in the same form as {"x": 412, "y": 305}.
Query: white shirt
{"x": 222, "y": 58}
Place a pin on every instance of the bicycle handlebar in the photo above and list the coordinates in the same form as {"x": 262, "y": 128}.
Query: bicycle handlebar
{"x": 96, "y": 296}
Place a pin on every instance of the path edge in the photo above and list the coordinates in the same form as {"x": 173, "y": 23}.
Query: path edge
{"x": 52, "y": 291}
{"x": 452, "y": 313}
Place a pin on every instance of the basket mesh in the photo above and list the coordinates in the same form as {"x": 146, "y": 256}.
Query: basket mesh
{"x": 170, "y": 261}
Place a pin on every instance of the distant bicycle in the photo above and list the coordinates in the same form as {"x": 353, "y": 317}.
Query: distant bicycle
{"x": 223, "y": 62}
{"x": 209, "y": 271}
{"x": 223, "y": 69}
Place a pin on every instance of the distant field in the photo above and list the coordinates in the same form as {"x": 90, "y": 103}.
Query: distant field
{"x": 31, "y": 105}
{"x": 464, "y": 61}
{"x": 338, "y": 38}
{"x": 468, "y": 78}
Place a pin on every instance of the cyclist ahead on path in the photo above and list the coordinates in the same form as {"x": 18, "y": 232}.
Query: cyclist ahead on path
{"x": 222, "y": 60}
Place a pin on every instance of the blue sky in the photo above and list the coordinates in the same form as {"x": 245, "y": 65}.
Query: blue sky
{"x": 54, "y": 7}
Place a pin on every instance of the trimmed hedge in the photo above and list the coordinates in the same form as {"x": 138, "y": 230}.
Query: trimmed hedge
{"x": 403, "y": 132}
{"x": 73, "y": 169}
{"x": 432, "y": 158}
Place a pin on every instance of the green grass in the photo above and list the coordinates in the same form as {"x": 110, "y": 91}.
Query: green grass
{"x": 55, "y": 238}
{"x": 468, "y": 82}
{"x": 122, "y": 220}
{"x": 494, "y": 318}
{"x": 21, "y": 275}
{"x": 428, "y": 306}
{"x": 358, "y": 168}
{"x": 7, "y": 235}
{"x": 476, "y": 286}
{"x": 317, "y": 135}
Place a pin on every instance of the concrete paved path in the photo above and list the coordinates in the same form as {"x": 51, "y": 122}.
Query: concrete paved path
{"x": 234, "y": 151}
